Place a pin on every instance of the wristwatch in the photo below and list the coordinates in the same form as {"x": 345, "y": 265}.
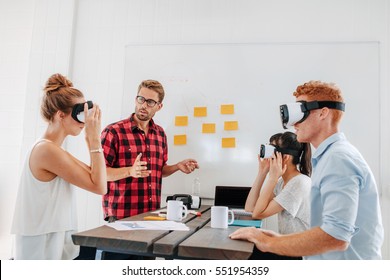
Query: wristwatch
{"x": 100, "y": 150}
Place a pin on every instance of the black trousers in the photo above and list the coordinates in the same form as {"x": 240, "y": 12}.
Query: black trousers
{"x": 86, "y": 253}
{"x": 118, "y": 256}
{"x": 259, "y": 255}
{"x": 89, "y": 253}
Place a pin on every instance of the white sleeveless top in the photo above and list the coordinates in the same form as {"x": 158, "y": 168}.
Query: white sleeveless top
{"x": 44, "y": 208}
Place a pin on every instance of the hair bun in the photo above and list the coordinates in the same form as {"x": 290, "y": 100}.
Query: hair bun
{"x": 55, "y": 82}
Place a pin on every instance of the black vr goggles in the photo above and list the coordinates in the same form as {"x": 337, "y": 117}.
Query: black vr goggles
{"x": 78, "y": 111}
{"x": 266, "y": 151}
{"x": 293, "y": 113}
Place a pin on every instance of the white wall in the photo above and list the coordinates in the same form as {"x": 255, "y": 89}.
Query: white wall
{"x": 85, "y": 39}
{"x": 36, "y": 42}
{"x": 16, "y": 21}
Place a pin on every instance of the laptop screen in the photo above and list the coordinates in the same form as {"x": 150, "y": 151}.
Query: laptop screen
{"x": 232, "y": 197}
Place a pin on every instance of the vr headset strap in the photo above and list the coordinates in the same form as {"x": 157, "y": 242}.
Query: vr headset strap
{"x": 289, "y": 151}
{"x": 312, "y": 105}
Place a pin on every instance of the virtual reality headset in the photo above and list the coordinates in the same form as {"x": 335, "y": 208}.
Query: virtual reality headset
{"x": 191, "y": 201}
{"x": 78, "y": 111}
{"x": 267, "y": 151}
{"x": 293, "y": 113}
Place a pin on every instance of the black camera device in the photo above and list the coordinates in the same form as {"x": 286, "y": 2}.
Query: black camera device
{"x": 187, "y": 200}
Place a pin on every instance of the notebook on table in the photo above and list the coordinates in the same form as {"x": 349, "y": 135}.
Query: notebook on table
{"x": 234, "y": 197}
{"x": 247, "y": 223}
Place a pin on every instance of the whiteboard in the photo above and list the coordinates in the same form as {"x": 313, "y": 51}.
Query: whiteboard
{"x": 256, "y": 78}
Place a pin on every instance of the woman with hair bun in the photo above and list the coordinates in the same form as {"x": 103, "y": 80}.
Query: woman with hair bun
{"x": 45, "y": 214}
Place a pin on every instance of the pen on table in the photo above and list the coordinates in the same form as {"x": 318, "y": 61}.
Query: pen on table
{"x": 197, "y": 213}
{"x": 154, "y": 218}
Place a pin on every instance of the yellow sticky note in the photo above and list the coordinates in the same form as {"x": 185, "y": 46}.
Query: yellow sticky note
{"x": 180, "y": 139}
{"x": 227, "y": 109}
{"x": 208, "y": 128}
{"x": 181, "y": 121}
{"x": 230, "y": 125}
{"x": 229, "y": 142}
{"x": 200, "y": 111}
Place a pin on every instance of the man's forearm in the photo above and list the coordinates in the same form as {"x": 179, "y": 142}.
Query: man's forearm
{"x": 169, "y": 170}
{"x": 310, "y": 242}
{"x": 115, "y": 174}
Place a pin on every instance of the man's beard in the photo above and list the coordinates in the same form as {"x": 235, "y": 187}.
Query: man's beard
{"x": 143, "y": 117}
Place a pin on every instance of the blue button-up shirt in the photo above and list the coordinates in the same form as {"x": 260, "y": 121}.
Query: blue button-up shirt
{"x": 344, "y": 200}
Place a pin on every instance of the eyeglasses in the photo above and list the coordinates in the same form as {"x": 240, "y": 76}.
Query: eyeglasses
{"x": 149, "y": 102}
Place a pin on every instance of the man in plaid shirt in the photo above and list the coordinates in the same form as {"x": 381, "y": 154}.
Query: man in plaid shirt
{"x": 136, "y": 153}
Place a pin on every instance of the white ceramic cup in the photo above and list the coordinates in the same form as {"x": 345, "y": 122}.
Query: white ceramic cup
{"x": 220, "y": 217}
{"x": 176, "y": 210}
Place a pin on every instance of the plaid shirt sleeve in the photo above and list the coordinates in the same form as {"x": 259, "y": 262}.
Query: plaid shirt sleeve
{"x": 110, "y": 145}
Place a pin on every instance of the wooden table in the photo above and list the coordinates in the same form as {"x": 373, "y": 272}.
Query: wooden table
{"x": 200, "y": 242}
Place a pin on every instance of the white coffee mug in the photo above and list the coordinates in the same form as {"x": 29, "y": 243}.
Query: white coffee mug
{"x": 176, "y": 210}
{"x": 220, "y": 217}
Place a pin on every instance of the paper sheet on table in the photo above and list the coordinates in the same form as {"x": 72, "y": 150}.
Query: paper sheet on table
{"x": 148, "y": 225}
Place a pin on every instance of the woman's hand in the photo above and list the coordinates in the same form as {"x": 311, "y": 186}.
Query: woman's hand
{"x": 264, "y": 164}
{"x": 92, "y": 125}
{"x": 277, "y": 168}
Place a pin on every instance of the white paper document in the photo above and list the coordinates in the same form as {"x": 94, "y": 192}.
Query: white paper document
{"x": 148, "y": 225}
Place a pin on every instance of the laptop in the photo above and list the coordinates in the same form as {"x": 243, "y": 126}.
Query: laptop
{"x": 234, "y": 197}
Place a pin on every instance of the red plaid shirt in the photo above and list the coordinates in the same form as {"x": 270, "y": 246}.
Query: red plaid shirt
{"x": 122, "y": 142}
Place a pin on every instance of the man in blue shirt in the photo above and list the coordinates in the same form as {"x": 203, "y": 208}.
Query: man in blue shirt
{"x": 346, "y": 220}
